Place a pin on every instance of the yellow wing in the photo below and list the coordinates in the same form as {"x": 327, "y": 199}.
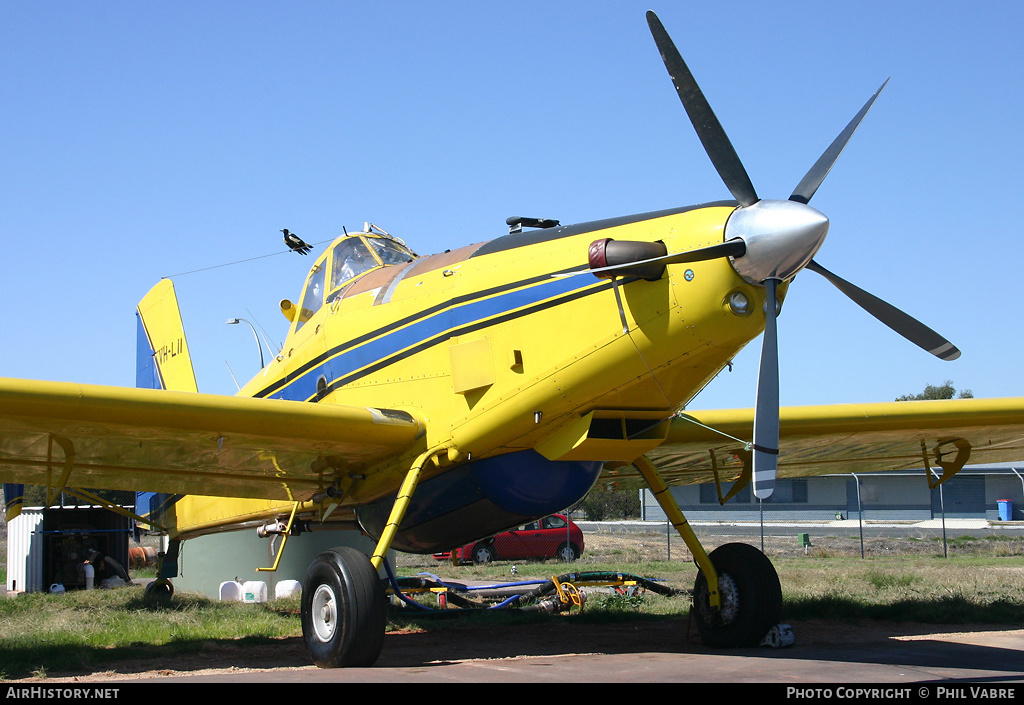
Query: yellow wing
{"x": 843, "y": 438}
{"x": 187, "y": 443}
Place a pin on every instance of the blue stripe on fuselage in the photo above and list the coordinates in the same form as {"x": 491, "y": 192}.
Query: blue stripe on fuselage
{"x": 341, "y": 368}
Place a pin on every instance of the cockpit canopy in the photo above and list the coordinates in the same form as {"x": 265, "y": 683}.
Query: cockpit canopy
{"x": 347, "y": 259}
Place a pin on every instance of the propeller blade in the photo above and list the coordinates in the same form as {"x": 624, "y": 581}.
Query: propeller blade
{"x": 709, "y": 130}
{"x": 907, "y": 326}
{"x": 817, "y": 173}
{"x": 766, "y": 408}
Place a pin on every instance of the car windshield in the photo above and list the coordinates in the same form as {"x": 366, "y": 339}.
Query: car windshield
{"x": 553, "y": 523}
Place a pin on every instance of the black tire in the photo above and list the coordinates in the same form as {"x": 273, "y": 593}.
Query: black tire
{"x": 750, "y": 595}
{"x": 484, "y": 553}
{"x": 567, "y": 552}
{"x": 344, "y": 609}
{"x": 159, "y": 590}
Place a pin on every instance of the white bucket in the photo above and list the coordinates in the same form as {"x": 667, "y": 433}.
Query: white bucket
{"x": 230, "y": 591}
{"x": 254, "y": 591}
{"x": 287, "y": 588}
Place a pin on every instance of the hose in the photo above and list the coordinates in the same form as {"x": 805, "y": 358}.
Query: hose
{"x": 538, "y": 589}
{"x": 651, "y": 585}
{"x": 97, "y": 557}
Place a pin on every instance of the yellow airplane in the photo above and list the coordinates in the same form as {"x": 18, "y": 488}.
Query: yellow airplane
{"x": 430, "y": 401}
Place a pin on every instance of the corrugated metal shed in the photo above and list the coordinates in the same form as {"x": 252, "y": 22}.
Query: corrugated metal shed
{"x": 25, "y": 552}
{"x": 47, "y": 546}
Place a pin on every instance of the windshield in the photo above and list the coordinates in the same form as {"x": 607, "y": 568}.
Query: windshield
{"x": 351, "y": 258}
{"x": 313, "y": 297}
{"x": 390, "y": 252}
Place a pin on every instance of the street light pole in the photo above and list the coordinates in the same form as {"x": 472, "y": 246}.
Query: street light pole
{"x": 235, "y": 321}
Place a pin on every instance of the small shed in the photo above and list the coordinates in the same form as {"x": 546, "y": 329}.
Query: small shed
{"x": 47, "y": 547}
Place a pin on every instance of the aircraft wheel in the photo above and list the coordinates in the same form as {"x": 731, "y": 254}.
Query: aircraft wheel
{"x": 751, "y": 598}
{"x": 483, "y": 553}
{"x": 567, "y": 552}
{"x": 344, "y": 609}
{"x": 159, "y": 590}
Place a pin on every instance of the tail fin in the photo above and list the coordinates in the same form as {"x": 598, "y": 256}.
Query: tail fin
{"x": 162, "y": 359}
{"x": 14, "y": 498}
{"x": 162, "y": 362}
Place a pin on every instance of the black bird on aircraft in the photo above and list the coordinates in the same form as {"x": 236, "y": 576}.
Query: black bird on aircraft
{"x": 295, "y": 243}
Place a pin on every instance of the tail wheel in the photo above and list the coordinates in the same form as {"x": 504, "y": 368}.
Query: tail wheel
{"x": 750, "y": 598}
{"x": 160, "y": 590}
{"x": 344, "y": 609}
{"x": 567, "y": 552}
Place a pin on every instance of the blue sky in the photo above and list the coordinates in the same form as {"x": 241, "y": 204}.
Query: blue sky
{"x": 141, "y": 140}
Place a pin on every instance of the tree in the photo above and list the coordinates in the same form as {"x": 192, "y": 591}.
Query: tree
{"x": 946, "y": 391}
{"x": 603, "y": 505}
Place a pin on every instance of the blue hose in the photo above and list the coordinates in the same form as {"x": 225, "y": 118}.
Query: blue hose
{"x": 539, "y": 587}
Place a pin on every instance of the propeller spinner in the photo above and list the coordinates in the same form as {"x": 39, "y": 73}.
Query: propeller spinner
{"x": 779, "y": 238}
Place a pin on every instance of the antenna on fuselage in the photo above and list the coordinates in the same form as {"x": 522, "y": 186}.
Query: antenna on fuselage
{"x": 516, "y": 223}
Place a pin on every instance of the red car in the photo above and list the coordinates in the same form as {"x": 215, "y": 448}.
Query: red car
{"x": 547, "y": 538}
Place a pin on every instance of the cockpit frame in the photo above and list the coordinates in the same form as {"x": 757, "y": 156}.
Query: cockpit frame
{"x": 348, "y": 259}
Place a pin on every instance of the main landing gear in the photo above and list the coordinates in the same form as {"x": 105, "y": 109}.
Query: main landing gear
{"x": 344, "y": 606}
{"x": 344, "y": 609}
{"x": 749, "y": 595}
{"x": 737, "y": 597}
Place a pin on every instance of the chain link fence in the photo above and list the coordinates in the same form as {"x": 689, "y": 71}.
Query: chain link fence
{"x": 877, "y": 504}
{"x": 899, "y": 497}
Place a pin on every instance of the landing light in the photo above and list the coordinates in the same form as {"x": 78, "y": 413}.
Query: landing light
{"x": 739, "y": 303}
{"x": 778, "y": 307}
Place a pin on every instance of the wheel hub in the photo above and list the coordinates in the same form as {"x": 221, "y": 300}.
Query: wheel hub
{"x": 324, "y": 612}
{"x": 728, "y": 600}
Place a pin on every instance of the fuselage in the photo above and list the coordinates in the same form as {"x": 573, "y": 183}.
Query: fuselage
{"x": 511, "y": 346}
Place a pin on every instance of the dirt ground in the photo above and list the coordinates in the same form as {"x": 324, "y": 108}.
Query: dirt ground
{"x": 408, "y": 649}
{"x": 478, "y": 639}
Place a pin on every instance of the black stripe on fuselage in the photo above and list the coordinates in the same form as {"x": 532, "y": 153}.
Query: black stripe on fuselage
{"x": 463, "y": 330}
{"x": 401, "y": 323}
{"x": 533, "y": 237}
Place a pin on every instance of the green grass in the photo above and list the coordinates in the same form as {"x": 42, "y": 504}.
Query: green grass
{"x": 84, "y": 630}
{"x": 891, "y": 581}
